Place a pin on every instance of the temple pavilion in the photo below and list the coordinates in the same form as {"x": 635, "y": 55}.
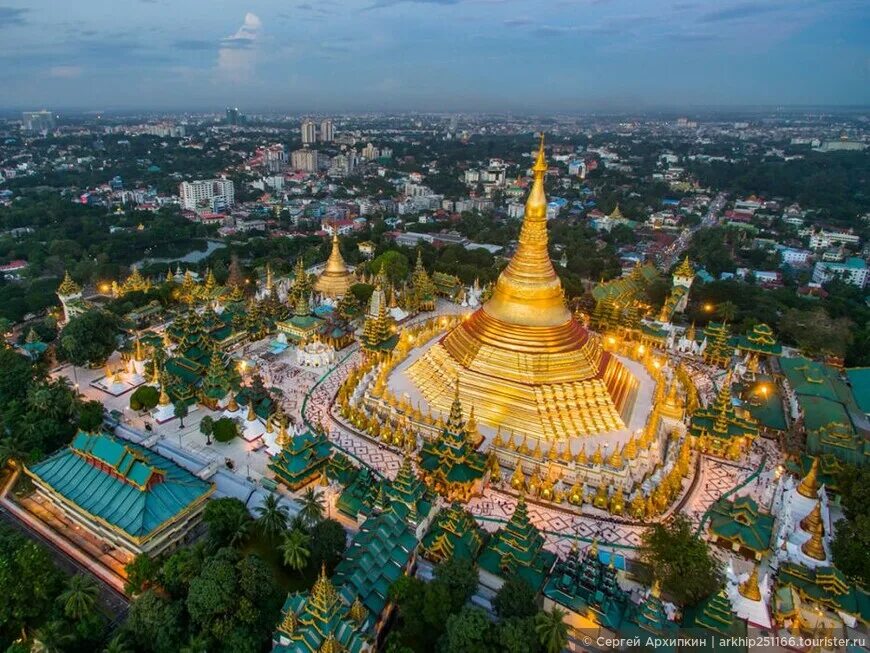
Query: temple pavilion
{"x": 715, "y": 615}
{"x": 718, "y": 430}
{"x": 741, "y": 526}
{"x": 322, "y": 621}
{"x": 804, "y": 595}
{"x": 449, "y": 462}
{"x": 302, "y": 458}
{"x": 382, "y": 551}
{"x": 122, "y": 494}
{"x": 677, "y": 299}
{"x": 379, "y": 333}
{"x": 336, "y": 279}
{"x": 453, "y": 533}
{"x": 524, "y": 362}
{"x": 517, "y": 549}
{"x": 409, "y": 498}
{"x": 422, "y": 287}
{"x": 718, "y": 347}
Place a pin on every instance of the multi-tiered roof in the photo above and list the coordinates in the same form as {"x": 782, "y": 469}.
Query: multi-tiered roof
{"x": 453, "y": 533}
{"x": 303, "y": 457}
{"x": 718, "y": 429}
{"x": 518, "y": 549}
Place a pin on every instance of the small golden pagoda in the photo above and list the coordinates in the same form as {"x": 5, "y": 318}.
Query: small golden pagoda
{"x": 809, "y": 486}
{"x": 749, "y": 588}
{"x": 336, "y": 278}
{"x": 524, "y": 362}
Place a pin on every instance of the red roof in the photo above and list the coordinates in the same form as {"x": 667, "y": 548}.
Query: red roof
{"x": 11, "y": 266}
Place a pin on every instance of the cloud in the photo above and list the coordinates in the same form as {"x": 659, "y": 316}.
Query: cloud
{"x": 740, "y": 11}
{"x": 10, "y": 16}
{"x": 194, "y": 44}
{"x": 236, "y": 57}
{"x": 65, "y": 72}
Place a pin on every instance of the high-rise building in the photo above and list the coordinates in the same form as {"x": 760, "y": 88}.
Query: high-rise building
{"x": 370, "y": 152}
{"x": 304, "y": 159}
{"x": 37, "y": 121}
{"x": 274, "y": 158}
{"x": 234, "y": 116}
{"x": 309, "y": 132}
{"x": 327, "y": 131}
{"x": 212, "y": 194}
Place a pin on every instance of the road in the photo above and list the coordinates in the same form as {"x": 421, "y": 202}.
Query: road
{"x": 681, "y": 244}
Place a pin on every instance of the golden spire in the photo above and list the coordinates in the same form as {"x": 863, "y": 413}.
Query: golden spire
{"x": 283, "y": 439}
{"x": 814, "y": 547}
{"x": 68, "y": 287}
{"x": 528, "y": 292}
{"x": 164, "y": 398}
{"x": 813, "y": 520}
{"x": 357, "y": 611}
{"x": 749, "y": 588}
{"x": 809, "y": 486}
{"x": 251, "y": 414}
{"x": 233, "y": 406}
{"x": 335, "y": 279}
{"x": 656, "y": 589}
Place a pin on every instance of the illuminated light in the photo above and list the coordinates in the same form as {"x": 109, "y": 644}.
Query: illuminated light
{"x": 641, "y": 349}
{"x": 611, "y": 340}
{"x": 708, "y": 308}
{"x": 656, "y": 364}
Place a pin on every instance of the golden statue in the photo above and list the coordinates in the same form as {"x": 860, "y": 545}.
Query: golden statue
{"x": 524, "y": 361}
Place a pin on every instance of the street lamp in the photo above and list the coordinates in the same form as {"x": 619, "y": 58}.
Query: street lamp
{"x": 708, "y": 307}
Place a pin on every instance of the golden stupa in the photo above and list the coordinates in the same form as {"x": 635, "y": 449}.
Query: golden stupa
{"x": 523, "y": 361}
{"x": 336, "y": 279}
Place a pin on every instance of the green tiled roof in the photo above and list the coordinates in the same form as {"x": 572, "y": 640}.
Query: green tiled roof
{"x": 859, "y": 379}
{"x": 124, "y": 485}
{"x": 742, "y": 521}
{"x": 826, "y": 585}
{"x": 456, "y": 532}
{"x": 377, "y": 557}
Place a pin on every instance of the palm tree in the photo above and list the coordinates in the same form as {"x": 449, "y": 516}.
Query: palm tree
{"x": 80, "y": 596}
{"x": 295, "y": 549}
{"x": 51, "y": 637}
{"x": 727, "y": 311}
{"x": 118, "y": 644}
{"x": 551, "y": 629}
{"x": 312, "y": 507}
{"x": 196, "y": 644}
{"x": 12, "y": 447}
{"x": 240, "y": 528}
{"x": 273, "y": 517}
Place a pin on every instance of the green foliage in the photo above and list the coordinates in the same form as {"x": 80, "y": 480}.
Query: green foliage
{"x": 80, "y": 596}
{"x": 552, "y": 630}
{"x": 328, "y": 542}
{"x": 815, "y": 332}
{"x": 680, "y": 559}
{"x": 90, "y": 415}
{"x": 362, "y": 292}
{"x": 296, "y": 549}
{"x": 393, "y": 263}
{"x": 459, "y": 578}
{"x": 228, "y": 521}
{"x": 89, "y": 338}
{"x": 145, "y": 397}
{"x": 155, "y": 623}
{"x": 518, "y": 636}
{"x": 273, "y": 516}
{"x": 468, "y": 631}
{"x": 311, "y": 511}
{"x": 515, "y": 599}
{"x": 851, "y": 544}
{"x": 225, "y": 429}
{"x": 141, "y": 573}
{"x": 29, "y": 585}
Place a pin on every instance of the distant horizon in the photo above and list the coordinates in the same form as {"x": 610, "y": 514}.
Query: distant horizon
{"x": 424, "y": 55}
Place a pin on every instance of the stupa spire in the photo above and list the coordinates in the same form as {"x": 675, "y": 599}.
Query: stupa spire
{"x": 528, "y": 292}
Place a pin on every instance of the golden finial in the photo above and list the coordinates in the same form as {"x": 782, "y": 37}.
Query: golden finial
{"x": 656, "y": 589}
{"x": 809, "y": 486}
{"x": 251, "y": 414}
{"x": 813, "y": 519}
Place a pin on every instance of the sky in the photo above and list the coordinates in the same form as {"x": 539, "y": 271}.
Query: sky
{"x": 535, "y": 56}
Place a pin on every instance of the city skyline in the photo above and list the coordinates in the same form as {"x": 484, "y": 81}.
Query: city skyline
{"x": 435, "y": 55}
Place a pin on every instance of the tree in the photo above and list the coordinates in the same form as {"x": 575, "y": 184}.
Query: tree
{"x": 815, "y": 332}
{"x": 851, "y": 548}
{"x": 145, "y": 397}
{"x": 90, "y": 415}
{"x": 727, "y": 311}
{"x": 681, "y": 561}
{"x": 295, "y": 549}
{"x": 80, "y": 596}
{"x": 206, "y": 427}
{"x": 552, "y": 630}
{"x": 89, "y": 338}
{"x": 225, "y": 429}
{"x": 518, "y": 636}
{"x": 179, "y": 409}
{"x": 312, "y": 507}
{"x": 13, "y": 447}
{"x": 29, "y": 584}
{"x": 51, "y": 637}
{"x": 328, "y": 542}
{"x": 228, "y": 521}
{"x": 469, "y": 631}
{"x": 213, "y": 594}
{"x": 141, "y": 572}
{"x": 273, "y": 517}
{"x": 460, "y": 578}
{"x": 118, "y": 644}
{"x": 394, "y": 265}
{"x": 179, "y": 569}
{"x": 155, "y": 623}
{"x": 515, "y": 599}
